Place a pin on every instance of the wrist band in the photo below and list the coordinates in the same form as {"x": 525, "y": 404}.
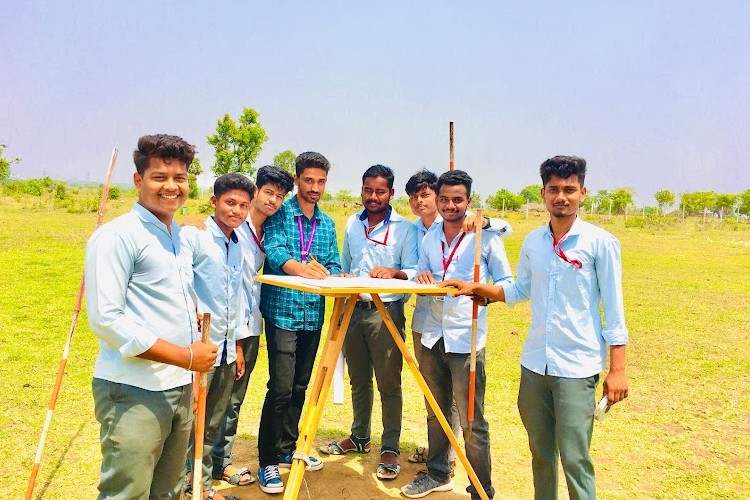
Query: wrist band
{"x": 190, "y": 365}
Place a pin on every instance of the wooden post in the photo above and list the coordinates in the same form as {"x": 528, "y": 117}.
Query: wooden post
{"x": 450, "y": 131}
{"x": 200, "y": 417}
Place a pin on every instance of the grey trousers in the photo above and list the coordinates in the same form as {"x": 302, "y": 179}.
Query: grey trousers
{"x": 453, "y": 419}
{"x": 144, "y": 439}
{"x": 447, "y": 376}
{"x": 220, "y": 381}
{"x": 369, "y": 349}
{"x": 558, "y": 414}
{"x": 222, "y": 451}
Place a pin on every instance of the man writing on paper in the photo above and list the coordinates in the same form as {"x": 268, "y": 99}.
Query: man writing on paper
{"x": 378, "y": 243}
{"x": 300, "y": 241}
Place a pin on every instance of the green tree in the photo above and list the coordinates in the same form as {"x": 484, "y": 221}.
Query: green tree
{"x": 724, "y": 203}
{"x": 745, "y": 202}
{"x": 532, "y": 193}
{"x": 505, "y": 199}
{"x": 194, "y": 170}
{"x": 345, "y": 197}
{"x": 621, "y": 198}
{"x": 5, "y": 164}
{"x": 476, "y": 200}
{"x": 286, "y": 160}
{"x": 665, "y": 199}
{"x": 694, "y": 203}
{"x": 237, "y": 145}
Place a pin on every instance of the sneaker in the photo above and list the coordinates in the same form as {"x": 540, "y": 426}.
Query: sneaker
{"x": 285, "y": 462}
{"x": 424, "y": 485}
{"x": 269, "y": 479}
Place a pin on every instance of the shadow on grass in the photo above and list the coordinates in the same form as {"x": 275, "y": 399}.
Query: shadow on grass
{"x": 58, "y": 464}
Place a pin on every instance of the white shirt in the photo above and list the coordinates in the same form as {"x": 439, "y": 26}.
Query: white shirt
{"x": 450, "y": 317}
{"x": 391, "y": 243}
{"x": 255, "y": 256}
{"x": 139, "y": 288}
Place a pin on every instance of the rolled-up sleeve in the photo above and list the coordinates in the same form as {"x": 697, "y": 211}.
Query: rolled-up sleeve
{"x": 276, "y": 244}
{"x": 519, "y": 290}
{"x": 108, "y": 267}
{"x": 609, "y": 276}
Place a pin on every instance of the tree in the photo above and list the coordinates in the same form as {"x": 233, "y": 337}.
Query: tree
{"x": 5, "y": 164}
{"x": 695, "y": 203}
{"x": 621, "y": 198}
{"x": 286, "y": 160}
{"x": 665, "y": 199}
{"x": 531, "y": 193}
{"x": 505, "y": 199}
{"x": 476, "y": 200}
{"x": 724, "y": 203}
{"x": 745, "y": 202}
{"x": 194, "y": 170}
{"x": 237, "y": 145}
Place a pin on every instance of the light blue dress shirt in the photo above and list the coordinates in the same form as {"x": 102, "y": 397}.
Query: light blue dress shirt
{"x": 217, "y": 268}
{"x": 566, "y": 337}
{"x": 254, "y": 259}
{"x": 139, "y": 288}
{"x": 450, "y": 317}
{"x": 360, "y": 254}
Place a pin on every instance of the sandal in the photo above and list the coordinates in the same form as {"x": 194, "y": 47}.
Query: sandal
{"x": 419, "y": 456}
{"x": 386, "y": 471}
{"x": 242, "y": 477}
{"x": 213, "y": 492}
{"x": 345, "y": 446}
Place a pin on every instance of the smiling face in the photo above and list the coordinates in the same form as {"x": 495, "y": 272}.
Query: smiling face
{"x": 452, "y": 202}
{"x": 268, "y": 199}
{"x": 376, "y": 195}
{"x": 311, "y": 184}
{"x": 163, "y": 187}
{"x": 563, "y": 196}
{"x": 423, "y": 203}
{"x": 230, "y": 209}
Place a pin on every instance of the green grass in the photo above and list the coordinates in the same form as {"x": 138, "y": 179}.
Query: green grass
{"x": 683, "y": 433}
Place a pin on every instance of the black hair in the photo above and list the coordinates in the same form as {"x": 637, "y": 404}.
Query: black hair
{"x": 271, "y": 174}
{"x": 379, "y": 171}
{"x": 563, "y": 166}
{"x": 162, "y": 146}
{"x": 422, "y": 179}
{"x": 228, "y": 182}
{"x": 455, "y": 178}
{"x": 310, "y": 159}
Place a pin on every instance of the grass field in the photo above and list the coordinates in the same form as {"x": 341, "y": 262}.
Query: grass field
{"x": 683, "y": 433}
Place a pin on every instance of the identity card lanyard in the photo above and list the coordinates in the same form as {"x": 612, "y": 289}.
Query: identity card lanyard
{"x": 255, "y": 237}
{"x": 387, "y": 223}
{"x": 447, "y": 262}
{"x": 556, "y": 248}
{"x": 305, "y": 250}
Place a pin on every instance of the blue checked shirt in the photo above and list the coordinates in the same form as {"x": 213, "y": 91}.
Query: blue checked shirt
{"x": 566, "y": 337}
{"x": 286, "y": 308}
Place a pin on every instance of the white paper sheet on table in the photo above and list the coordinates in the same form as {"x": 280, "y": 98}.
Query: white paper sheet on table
{"x": 363, "y": 282}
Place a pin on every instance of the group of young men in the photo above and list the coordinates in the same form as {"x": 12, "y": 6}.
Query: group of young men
{"x": 148, "y": 282}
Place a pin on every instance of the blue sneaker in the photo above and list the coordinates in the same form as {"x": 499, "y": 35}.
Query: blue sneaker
{"x": 269, "y": 479}
{"x": 285, "y": 462}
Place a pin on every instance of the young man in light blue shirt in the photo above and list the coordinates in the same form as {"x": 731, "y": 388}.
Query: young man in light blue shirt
{"x": 567, "y": 268}
{"x": 448, "y": 253}
{"x": 272, "y": 185}
{"x": 218, "y": 263}
{"x": 141, "y": 304}
{"x": 378, "y": 243}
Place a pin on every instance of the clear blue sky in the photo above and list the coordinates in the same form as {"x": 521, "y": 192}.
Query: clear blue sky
{"x": 654, "y": 95}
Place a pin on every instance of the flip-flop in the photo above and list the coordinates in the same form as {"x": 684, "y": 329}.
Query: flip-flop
{"x": 419, "y": 456}
{"x": 236, "y": 478}
{"x": 387, "y": 472}
{"x": 335, "y": 448}
{"x": 213, "y": 492}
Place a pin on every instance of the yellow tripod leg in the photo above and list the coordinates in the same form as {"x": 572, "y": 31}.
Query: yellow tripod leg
{"x": 314, "y": 406}
{"x": 428, "y": 395}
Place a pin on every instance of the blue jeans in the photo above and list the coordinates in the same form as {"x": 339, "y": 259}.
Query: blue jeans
{"x": 558, "y": 414}
{"x": 447, "y": 376}
{"x": 291, "y": 356}
{"x": 144, "y": 438}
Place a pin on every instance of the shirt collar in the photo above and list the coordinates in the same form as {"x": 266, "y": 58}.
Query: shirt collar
{"x": 297, "y": 210}
{"x": 574, "y": 230}
{"x": 392, "y": 216}
{"x": 146, "y": 216}
{"x": 212, "y": 226}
